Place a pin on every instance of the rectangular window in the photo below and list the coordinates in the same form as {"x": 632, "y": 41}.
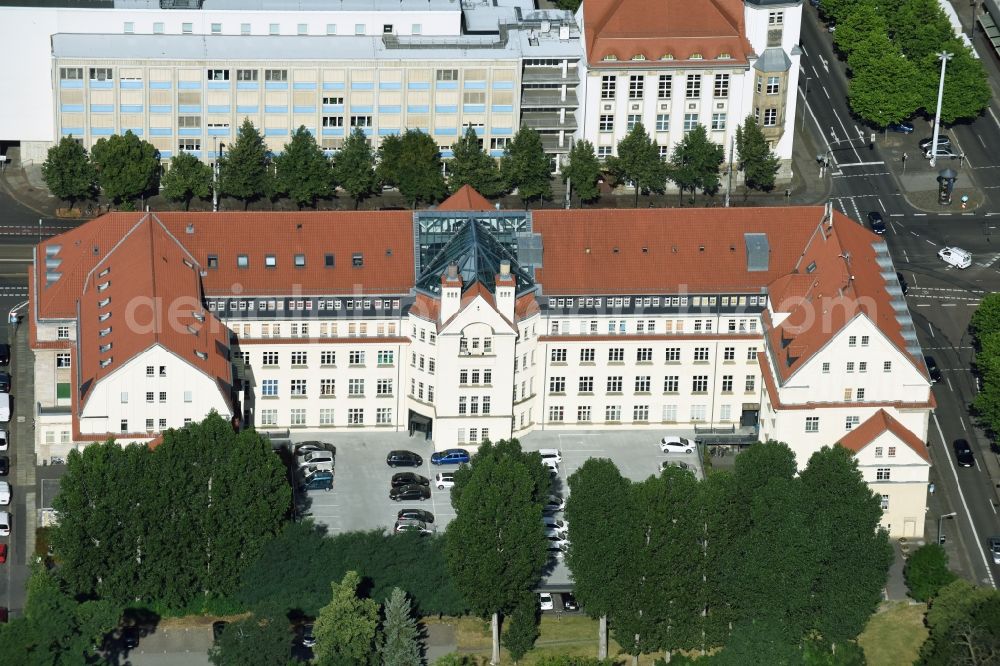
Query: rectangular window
{"x": 750, "y": 383}
{"x": 852, "y": 341}
{"x": 187, "y": 28}
{"x": 850, "y": 367}
{"x": 303, "y": 29}
{"x": 673, "y": 354}
{"x": 606, "y": 123}
{"x": 608, "y": 86}
{"x": 297, "y": 417}
{"x": 864, "y": 340}
{"x": 882, "y": 474}
{"x": 270, "y": 358}
{"x": 333, "y": 121}
{"x": 671, "y": 384}
{"x": 699, "y": 384}
{"x": 356, "y": 358}
{"x": 557, "y": 384}
{"x": 613, "y": 413}
{"x": 642, "y": 384}
{"x": 583, "y": 413}
{"x": 275, "y": 74}
{"x": 163, "y": 396}
{"x": 361, "y": 121}
{"x": 729, "y": 354}
{"x": 587, "y": 355}
{"x": 556, "y": 413}
{"x": 662, "y": 122}
{"x": 150, "y": 396}
{"x": 246, "y": 75}
{"x": 663, "y": 86}
{"x": 616, "y": 355}
{"x": 721, "y": 88}
{"x": 851, "y": 421}
{"x": 446, "y": 75}
{"x": 826, "y": 368}
{"x": 690, "y": 121}
{"x": 862, "y": 366}
{"x": 718, "y": 121}
{"x": 614, "y": 384}
{"x": 273, "y": 29}
{"x": 189, "y": 145}
{"x": 727, "y": 383}
{"x": 157, "y": 28}
{"x": 632, "y": 120}
{"x": 860, "y": 394}
{"x": 585, "y": 385}
{"x": 355, "y": 416}
{"x": 644, "y": 354}
{"x": 603, "y": 152}
{"x": 700, "y": 354}
{"x": 244, "y": 28}
{"x": 383, "y": 387}
{"x": 640, "y": 413}
{"x": 269, "y": 417}
{"x": 635, "y": 86}
{"x": 269, "y": 387}
{"x": 299, "y": 358}
{"x": 773, "y": 85}
{"x": 326, "y": 416}
{"x": 770, "y": 117}
{"x": 812, "y": 424}
{"x": 558, "y": 355}
{"x": 693, "y": 86}
{"x": 775, "y": 18}
{"x": 383, "y": 416}
{"x": 298, "y": 387}
{"x": 327, "y": 387}
{"x": 63, "y": 360}
{"x": 218, "y": 75}
{"x": 359, "y": 28}
{"x": 355, "y": 387}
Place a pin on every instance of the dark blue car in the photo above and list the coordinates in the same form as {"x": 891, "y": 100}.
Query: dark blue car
{"x": 450, "y": 457}
{"x": 902, "y": 128}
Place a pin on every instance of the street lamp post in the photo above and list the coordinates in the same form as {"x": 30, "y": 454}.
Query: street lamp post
{"x": 802, "y": 124}
{"x": 944, "y": 57}
{"x": 941, "y": 519}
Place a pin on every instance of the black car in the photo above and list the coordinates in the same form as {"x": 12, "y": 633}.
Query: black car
{"x": 876, "y": 222}
{"x": 569, "y": 602}
{"x": 932, "y": 368}
{"x": 415, "y": 514}
{"x": 4, "y": 382}
{"x": 403, "y": 458}
{"x": 130, "y": 638}
{"x": 902, "y": 282}
{"x": 409, "y": 479}
{"x": 4, "y": 465}
{"x": 411, "y": 492}
{"x": 217, "y": 628}
{"x": 4, "y": 354}
{"x": 963, "y": 454}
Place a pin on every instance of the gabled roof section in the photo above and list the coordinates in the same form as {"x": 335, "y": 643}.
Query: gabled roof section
{"x": 477, "y": 254}
{"x": 664, "y": 30}
{"x": 144, "y": 292}
{"x": 862, "y": 435}
{"x": 844, "y": 272}
{"x": 466, "y": 199}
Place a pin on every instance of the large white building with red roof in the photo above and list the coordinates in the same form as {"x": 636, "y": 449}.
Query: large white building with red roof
{"x": 469, "y": 323}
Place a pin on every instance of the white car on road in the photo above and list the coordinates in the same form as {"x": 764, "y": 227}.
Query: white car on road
{"x": 955, "y": 256}
{"x": 545, "y": 601}
{"x": 672, "y": 444}
{"x": 444, "y": 480}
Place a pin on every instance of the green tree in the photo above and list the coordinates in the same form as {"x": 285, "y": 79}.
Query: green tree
{"x": 598, "y": 499}
{"x": 571, "y": 5}
{"x": 850, "y": 551}
{"x": 471, "y": 165}
{"x": 758, "y": 162}
{"x": 866, "y": 22}
{"x": 886, "y": 85}
{"x": 966, "y": 89}
{"x": 919, "y": 28}
{"x": 302, "y": 171}
{"x": 354, "y": 167}
{"x": 127, "y": 167}
{"x": 399, "y": 641}
{"x": 245, "y": 168}
{"x": 345, "y": 629}
{"x": 695, "y": 163}
{"x": 68, "y": 172}
{"x": 498, "y": 506}
{"x": 926, "y": 571}
{"x": 565, "y": 660}
{"x": 253, "y": 641}
{"x": 187, "y": 178}
{"x": 412, "y": 163}
{"x": 525, "y": 166}
{"x": 638, "y": 162}
{"x": 582, "y": 169}
{"x": 986, "y": 318}
{"x": 522, "y": 630}
{"x": 964, "y": 624}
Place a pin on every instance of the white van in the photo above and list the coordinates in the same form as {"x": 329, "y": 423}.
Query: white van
{"x": 4, "y": 493}
{"x": 551, "y": 457}
{"x": 956, "y": 257}
{"x": 4, "y": 407}
{"x": 4, "y": 523}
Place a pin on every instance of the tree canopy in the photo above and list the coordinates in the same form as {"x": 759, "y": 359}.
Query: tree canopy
{"x": 582, "y": 169}
{"x": 412, "y": 163}
{"x": 399, "y": 640}
{"x": 886, "y": 85}
{"x": 187, "y": 178}
{"x": 354, "y": 167}
{"x": 127, "y": 167}
{"x": 525, "y": 166}
{"x": 926, "y": 571}
{"x": 695, "y": 163}
{"x": 68, "y": 172}
{"x": 964, "y": 624}
{"x": 345, "y": 628}
{"x": 471, "y": 165}
{"x": 302, "y": 171}
{"x": 245, "y": 166}
{"x": 758, "y": 162}
{"x": 638, "y": 162}
{"x": 253, "y": 641}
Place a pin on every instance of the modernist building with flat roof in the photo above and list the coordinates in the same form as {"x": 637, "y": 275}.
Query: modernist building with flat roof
{"x": 469, "y": 323}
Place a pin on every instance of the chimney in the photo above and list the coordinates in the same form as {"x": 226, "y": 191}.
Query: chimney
{"x": 451, "y": 293}
{"x": 506, "y": 286}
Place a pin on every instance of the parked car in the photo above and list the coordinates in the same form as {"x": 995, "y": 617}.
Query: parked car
{"x": 943, "y": 151}
{"x": 130, "y": 637}
{"x": 674, "y": 463}
{"x": 4, "y": 523}
{"x": 963, "y": 454}
{"x": 3, "y": 440}
{"x": 450, "y": 457}
{"x": 314, "y": 445}
{"x": 306, "y": 637}
{"x": 4, "y": 493}
{"x": 316, "y": 479}
{"x": 444, "y": 480}
{"x": 415, "y": 514}
{"x": 553, "y": 504}
{"x": 876, "y": 222}
{"x": 4, "y": 354}
{"x": 315, "y": 459}
{"x": 401, "y": 458}
{"x": 932, "y": 368}
{"x": 902, "y": 128}
{"x": 551, "y": 522}
{"x": 551, "y": 457}
{"x": 955, "y": 256}
{"x": 942, "y": 141}
{"x": 545, "y": 602}
{"x": 569, "y": 602}
{"x": 4, "y": 465}
{"x": 555, "y": 535}
{"x": 217, "y": 628}
{"x": 407, "y": 525}
{"x": 3, "y": 553}
{"x": 411, "y": 492}
{"x": 672, "y": 444}
{"x": 408, "y": 479}
{"x": 557, "y": 550}
{"x": 4, "y": 382}
{"x": 993, "y": 543}
{"x": 902, "y": 282}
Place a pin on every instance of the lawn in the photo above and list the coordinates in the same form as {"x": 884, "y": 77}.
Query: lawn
{"x": 894, "y": 634}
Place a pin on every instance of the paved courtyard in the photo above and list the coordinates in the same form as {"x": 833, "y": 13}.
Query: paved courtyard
{"x": 360, "y": 496}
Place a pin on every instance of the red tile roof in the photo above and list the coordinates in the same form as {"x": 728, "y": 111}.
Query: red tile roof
{"x": 862, "y": 435}
{"x": 466, "y": 198}
{"x": 657, "y": 28}
{"x": 666, "y": 250}
{"x": 152, "y": 294}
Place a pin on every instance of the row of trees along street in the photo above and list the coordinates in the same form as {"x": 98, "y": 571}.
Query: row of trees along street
{"x": 124, "y": 168}
{"x": 985, "y": 328}
{"x": 757, "y": 565}
{"x": 891, "y": 49}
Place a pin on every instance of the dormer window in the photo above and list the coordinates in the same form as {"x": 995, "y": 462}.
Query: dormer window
{"x": 610, "y": 57}
{"x": 106, "y": 362}
{"x": 638, "y": 56}
{"x": 104, "y": 331}
{"x": 200, "y": 316}
{"x": 300, "y": 261}
{"x": 103, "y": 285}
{"x": 242, "y": 261}
{"x": 328, "y": 260}
{"x": 104, "y": 272}
{"x": 213, "y": 261}
{"x": 696, "y": 56}
{"x": 104, "y": 302}
{"x": 667, "y": 56}
{"x": 270, "y": 261}
{"x": 105, "y": 348}
{"x": 200, "y": 354}
{"x": 358, "y": 260}
{"x": 104, "y": 317}
{"x": 725, "y": 56}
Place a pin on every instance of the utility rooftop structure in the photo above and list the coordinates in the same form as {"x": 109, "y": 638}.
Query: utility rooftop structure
{"x": 468, "y": 323}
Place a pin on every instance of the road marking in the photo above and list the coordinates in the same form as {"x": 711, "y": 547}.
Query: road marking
{"x": 929, "y": 241}
{"x": 920, "y": 215}
{"x": 930, "y": 327}
{"x": 826, "y": 92}
{"x": 993, "y": 506}
{"x": 993, "y": 115}
{"x": 907, "y": 258}
{"x": 950, "y": 387}
{"x": 882, "y": 205}
{"x": 961, "y": 496}
{"x": 854, "y": 164}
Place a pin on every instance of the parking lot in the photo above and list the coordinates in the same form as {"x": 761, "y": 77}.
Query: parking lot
{"x": 360, "y": 500}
